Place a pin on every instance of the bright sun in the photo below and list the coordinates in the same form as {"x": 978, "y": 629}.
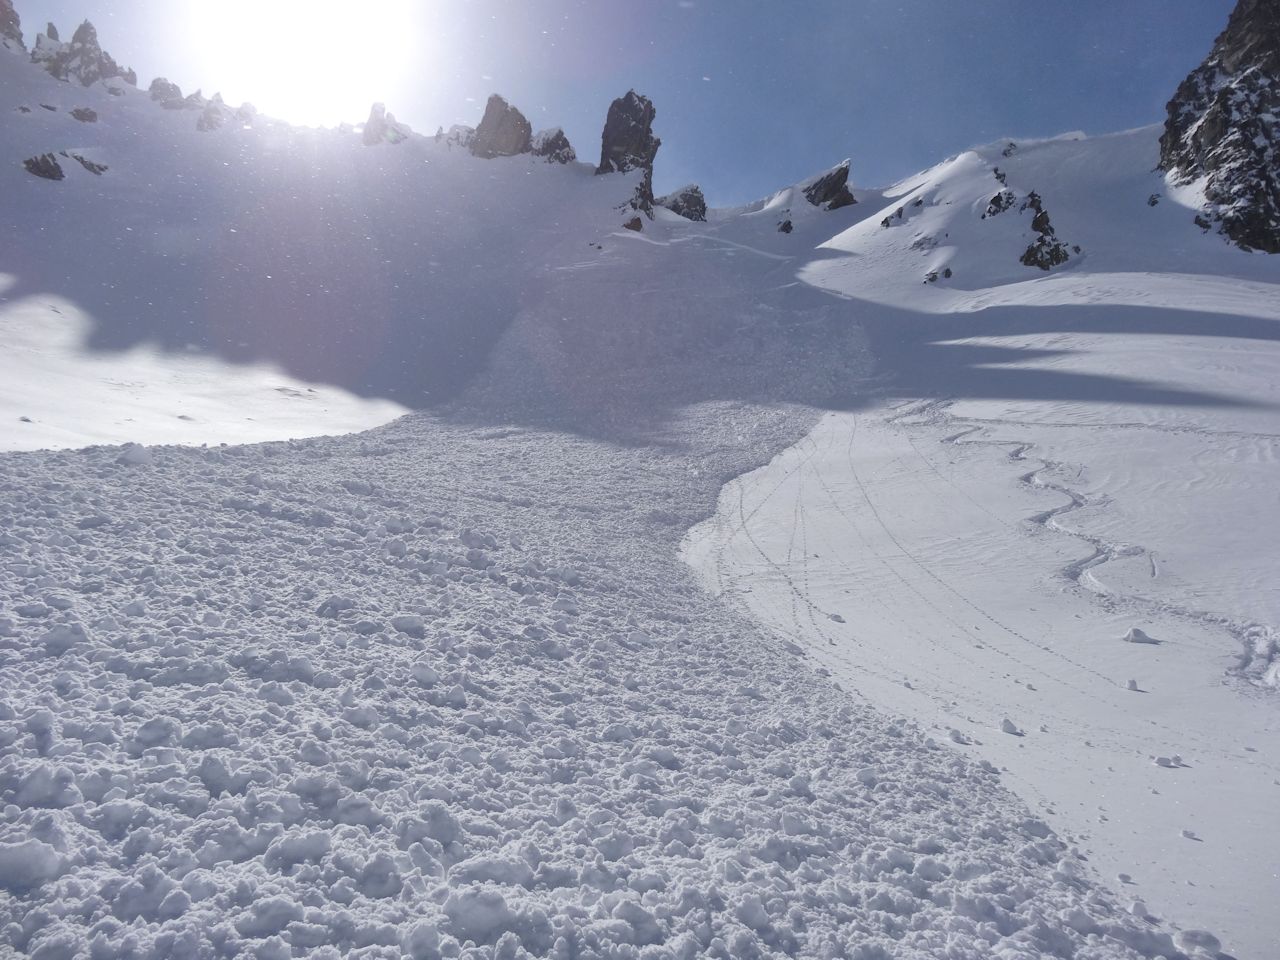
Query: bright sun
{"x": 314, "y": 62}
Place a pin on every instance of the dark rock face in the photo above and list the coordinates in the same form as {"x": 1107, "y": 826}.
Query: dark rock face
{"x": 553, "y": 146}
{"x": 831, "y": 190}
{"x": 165, "y": 91}
{"x": 85, "y": 115}
{"x": 785, "y": 227}
{"x": 688, "y": 202}
{"x": 1046, "y": 251}
{"x": 1224, "y": 126}
{"x": 10, "y": 24}
{"x": 503, "y": 131}
{"x": 1001, "y": 202}
{"x": 381, "y": 127}
{"x": 82, "y": 60}
{"x": 97, "y": 169}
{"x": 51, "y": 31}
{"x": 45, "y": 166}
{"x": 628, "y": 144}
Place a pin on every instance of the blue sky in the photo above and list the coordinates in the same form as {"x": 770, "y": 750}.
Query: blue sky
{"x": 751, "y": 95}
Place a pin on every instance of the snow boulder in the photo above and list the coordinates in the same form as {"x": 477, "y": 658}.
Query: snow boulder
{"x": 1138, "y": 635}
{"x": 64, "y": 638}
{"x": 28, "y": 864}
{"x": 135, "y": 455}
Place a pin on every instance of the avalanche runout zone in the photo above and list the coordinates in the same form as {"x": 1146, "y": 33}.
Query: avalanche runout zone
{"x": 441, "y": 690}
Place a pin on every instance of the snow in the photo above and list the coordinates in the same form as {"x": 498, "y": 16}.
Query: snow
{"x": 1055, "y": 466}
{"x": 437, "y": 686}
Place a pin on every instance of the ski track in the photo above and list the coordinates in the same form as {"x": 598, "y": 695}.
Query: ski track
{"x": 1245, "y": 633}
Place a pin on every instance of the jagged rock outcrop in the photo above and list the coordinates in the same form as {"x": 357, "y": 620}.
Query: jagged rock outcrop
{"x": 51, "y": 31}
{"x": 10, "y": 24}
{"x": 460, "y": 135}
{"x": 1046, "y": 251}
{"x": 85, "y": 114}
{"x": 1224, "y": 127}
{"x": 97, "y": 169}
{"x": 688, "y": 202}
{"x": 831, "y": 190}
{"x": 45, "y": 166}
{"x": 82, "y": 60}
{"x": 381, "y": 127}
{"x": 628, "y": 144}
{"x": 503, "y": 131}
{"x": 1001, "y": 202}
{"x": 214, "y": 115}
{"x": 553, "y": 146}
{"x": 165, "y": 92}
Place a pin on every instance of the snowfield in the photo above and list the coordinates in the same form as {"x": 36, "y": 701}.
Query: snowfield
{"x": 1057, "y": 465}
{"x": 443, "y": 688}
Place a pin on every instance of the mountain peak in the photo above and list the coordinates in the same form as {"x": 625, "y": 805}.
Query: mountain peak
{"x": 1222, "y": 127}
{"x": 82, "y": 60}
{"x": 86, "y": 34}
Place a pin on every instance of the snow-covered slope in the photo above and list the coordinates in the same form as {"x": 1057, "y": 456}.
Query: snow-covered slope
{"x": 441, "y": 689}
{"x": 1056, "y": 460}
{"x": 279, "y": 258}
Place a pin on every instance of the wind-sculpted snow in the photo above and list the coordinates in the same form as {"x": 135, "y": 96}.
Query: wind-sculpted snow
{"x": 438, "y": 690}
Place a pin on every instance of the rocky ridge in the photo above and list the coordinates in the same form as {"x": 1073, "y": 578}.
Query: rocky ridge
{"x": 381, "y": 127}
{"x": 82, "y": 60}
{"x": 553, "y": 146}
{"x": 10, "y": 25}
{"x": 688, "y": 202}
{"x": 1222, "y": 128}
{"x": 831, "y": 191}
{"x": 628, "y": 144}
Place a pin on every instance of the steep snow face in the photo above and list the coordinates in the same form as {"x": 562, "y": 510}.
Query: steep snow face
{"x": 1223, "y": 131}
{"x": 1050, "y": 539}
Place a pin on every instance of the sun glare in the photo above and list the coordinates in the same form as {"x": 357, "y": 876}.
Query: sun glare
{"x": 316, "y": 62}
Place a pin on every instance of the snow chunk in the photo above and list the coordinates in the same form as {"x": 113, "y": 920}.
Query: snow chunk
{"x": 28, "y": 864}
{"x": 1137, "y": 635}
